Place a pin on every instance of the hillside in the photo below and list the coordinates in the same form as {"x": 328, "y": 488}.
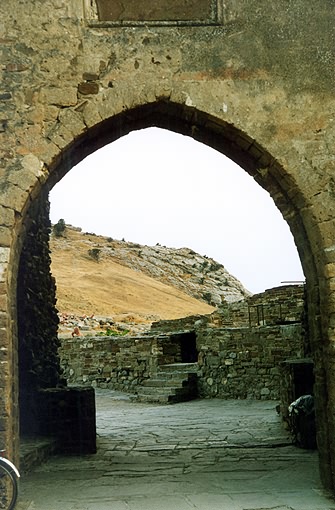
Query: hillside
{"x": 129, "y": 282}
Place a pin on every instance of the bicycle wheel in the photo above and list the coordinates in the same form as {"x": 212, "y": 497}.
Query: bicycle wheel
{"x": 8, "y": 487}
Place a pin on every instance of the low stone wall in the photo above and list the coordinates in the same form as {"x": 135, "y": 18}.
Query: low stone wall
{"x": 234, "y": 362}
{"x": 241, "y": 349}
{"x": 246, "y": 362}
{"x": 120, "y": 363}
{"x": 280, "y": 305}
{"x": 182, "y": 324}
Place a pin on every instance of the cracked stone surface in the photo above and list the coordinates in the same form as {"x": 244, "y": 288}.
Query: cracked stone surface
{"x": 200, "y": 455}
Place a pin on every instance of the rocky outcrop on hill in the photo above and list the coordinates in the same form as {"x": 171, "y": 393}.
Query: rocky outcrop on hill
{"x": 198, "y": 276}
{"x": 105, "y": 285}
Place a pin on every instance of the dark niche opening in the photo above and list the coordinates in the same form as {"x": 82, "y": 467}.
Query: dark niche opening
{"x": 158, "y": 10}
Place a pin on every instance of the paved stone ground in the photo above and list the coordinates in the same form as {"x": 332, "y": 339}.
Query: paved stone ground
{"x": 200, "y": 455}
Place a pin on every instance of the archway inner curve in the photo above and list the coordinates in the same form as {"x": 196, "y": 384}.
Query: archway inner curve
{"x": 155, "y": 186}
{"x": 205, "y": 129}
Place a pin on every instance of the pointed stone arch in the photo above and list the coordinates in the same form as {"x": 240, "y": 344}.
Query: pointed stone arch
{"x": 203, "y": 127}
{"x": 241, "y": 148}
{"x": 256, "y": 83}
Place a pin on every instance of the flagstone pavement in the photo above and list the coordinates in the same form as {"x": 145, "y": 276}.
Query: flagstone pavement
{"x": 197, "y": 455}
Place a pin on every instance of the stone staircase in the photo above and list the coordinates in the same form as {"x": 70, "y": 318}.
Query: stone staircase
{"x": 175, "y": 382}
{"x": 34, "y": 451}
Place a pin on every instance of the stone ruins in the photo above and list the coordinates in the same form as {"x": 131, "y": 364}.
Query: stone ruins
{"x": 243, "y": 351}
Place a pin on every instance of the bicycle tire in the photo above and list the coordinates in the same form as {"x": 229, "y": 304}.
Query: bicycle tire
{"x": 8, "y": 487}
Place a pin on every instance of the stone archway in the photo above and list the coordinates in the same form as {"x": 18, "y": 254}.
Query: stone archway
{"x": 254, "y": 83}
{"x": 228, "y": 140}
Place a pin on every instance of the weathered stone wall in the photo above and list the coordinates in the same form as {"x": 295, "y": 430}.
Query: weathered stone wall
{"x": 235, "y": 362}
{"x": 46, "y": 406}
{"x": 246, "y": 362}
{"x": 280, "y": 305}
{"x": 285, "y": 304}
{"x": 255, "y": 81}
{"x": 120, "y": 363}
{"x": 181, "y": 324}
{"x": 39, "y": 362}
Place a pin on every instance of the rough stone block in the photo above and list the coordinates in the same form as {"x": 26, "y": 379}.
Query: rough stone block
{"x": 89, "y": 87}
{"x": 64, "y": 96}
{"x": 14, "y": 197}
{"x": 5, "y": 236}
{"x": 7, "y": 217}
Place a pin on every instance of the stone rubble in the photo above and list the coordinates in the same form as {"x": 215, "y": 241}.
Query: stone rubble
{"x": 98, "y": 325}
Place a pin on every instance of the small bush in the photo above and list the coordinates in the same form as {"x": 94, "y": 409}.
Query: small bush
{"x": 59, "y": 228}
{"x": 215, "y": 266}
{"x": 206, "y": 296}
{"x": 113, "y": 332}
{"x": 94, "y": 253}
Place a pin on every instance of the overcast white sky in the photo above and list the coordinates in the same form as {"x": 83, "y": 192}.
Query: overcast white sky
{"x": 155, "y": 186}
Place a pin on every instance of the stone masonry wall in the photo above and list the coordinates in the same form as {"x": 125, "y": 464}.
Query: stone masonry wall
{"x": 246, "y": 362}
{"x": 37, "y": 316}
{"x": 235, "y": 362}
{"x": 120, "y": 363}
{"x": 254, "y": 80}
{"x": 47, "y": 407}
{"x": 280, "y": 305}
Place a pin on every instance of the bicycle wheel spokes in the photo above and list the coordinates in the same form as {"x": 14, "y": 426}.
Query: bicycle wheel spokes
{"x": 8, "y": 490}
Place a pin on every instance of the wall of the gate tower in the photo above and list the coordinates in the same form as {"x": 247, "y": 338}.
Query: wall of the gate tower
{"x": 254, "y": 80}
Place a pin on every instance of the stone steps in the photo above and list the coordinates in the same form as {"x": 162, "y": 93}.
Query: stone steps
{"x": 163, "y": 382}
{"x": 34, "y": 451}
{"x": 173, "y": 383}
{"x": 179, "y": 367}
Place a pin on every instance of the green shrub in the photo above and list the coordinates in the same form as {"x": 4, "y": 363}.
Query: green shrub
{"x": 94, "y": 253}
{"x": 113, "y": 332}
{"x": 59, "y": 228}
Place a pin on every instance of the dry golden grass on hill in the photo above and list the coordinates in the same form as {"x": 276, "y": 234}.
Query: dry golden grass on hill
{"x": 106, "y": 288}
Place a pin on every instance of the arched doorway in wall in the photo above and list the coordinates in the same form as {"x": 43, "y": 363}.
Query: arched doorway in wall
{"x": 201, "y": 127}
{"x": 160, "y": 187}
{"x": 197, "y": 126}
